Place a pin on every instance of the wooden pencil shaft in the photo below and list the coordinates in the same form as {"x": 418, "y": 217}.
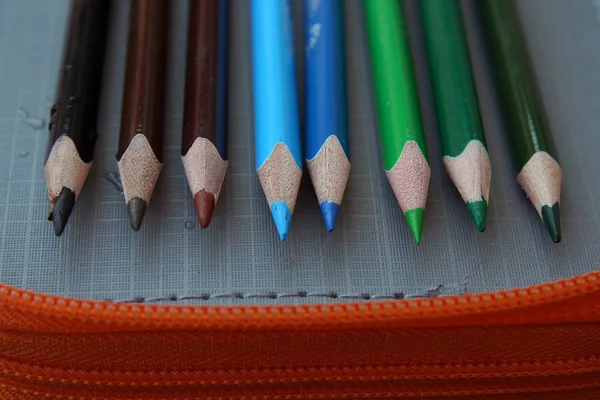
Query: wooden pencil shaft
{"x": 398, "y": 111}
{"x": 144, "y": 91}
{"x": 275, "y": 96}
{"x": 75, "y": 112}
{"x": 457, "y": 108}
{"x": 325, "y": 75}
{"x": 206, "y": 75}
{"x": 519, "y": 95}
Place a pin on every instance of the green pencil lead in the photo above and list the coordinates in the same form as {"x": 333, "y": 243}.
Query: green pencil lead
{"x": 478, "y": 211}
{"x": 551, "y": 218}
{"x": 414, "y": 218}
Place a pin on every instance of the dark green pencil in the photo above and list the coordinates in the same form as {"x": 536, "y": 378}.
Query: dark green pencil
{"x": 539, "y": 175}
{"x": 459, "y": 125}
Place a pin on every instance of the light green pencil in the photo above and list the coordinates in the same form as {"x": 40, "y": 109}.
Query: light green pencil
{"x": 402, "y": 141}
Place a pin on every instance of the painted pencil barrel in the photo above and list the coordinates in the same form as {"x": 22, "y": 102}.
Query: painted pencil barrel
{"x": 539, "y": 173}
{"x": 204, "y": 133}
{"x": 327, "y": 153}
{"x": 455, "y": 97}
{"x": 459, "y": 122}
{"x": 73, "y": 118}
{"x": 223, "y": 78}
{"x": 518, "y": 91}
{"x": 403, "y": 146}
{"x": 396, "y": 96}
{"x": 277, "y": 136}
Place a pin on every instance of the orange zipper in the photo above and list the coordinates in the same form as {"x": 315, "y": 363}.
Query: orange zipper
{"x": 457, "y": 310}
{"x": 573, "y": 301}
{"x": 542, "y": 368}
{"x": 336, "y": 387}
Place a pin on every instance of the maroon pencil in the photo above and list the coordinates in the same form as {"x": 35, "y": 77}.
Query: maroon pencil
{"x": 204, "y": 134}
{"x": 139, "y": 155}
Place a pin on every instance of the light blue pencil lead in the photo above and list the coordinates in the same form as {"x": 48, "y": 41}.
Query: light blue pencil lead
{"x": 282, "y": 217}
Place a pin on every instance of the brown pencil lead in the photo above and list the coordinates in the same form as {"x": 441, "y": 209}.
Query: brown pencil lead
{"x": 205, "y": 205}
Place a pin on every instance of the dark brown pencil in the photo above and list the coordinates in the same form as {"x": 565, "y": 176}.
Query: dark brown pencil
{"x": 139, "y": 155}
{"x": 204, "y": 134}
{"x": 73, "y": 117}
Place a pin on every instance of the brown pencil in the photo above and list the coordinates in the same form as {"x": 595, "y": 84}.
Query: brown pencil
{"x": 204, "y": 134}
{"x": 140, "y": 143}
{"x": 73, "y": 118}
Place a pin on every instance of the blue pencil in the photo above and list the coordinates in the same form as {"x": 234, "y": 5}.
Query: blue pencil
{"x": 277, "y": 133}
{"x": 327, "y": 154}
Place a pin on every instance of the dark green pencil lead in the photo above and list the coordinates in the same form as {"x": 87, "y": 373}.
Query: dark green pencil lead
{"x": 551, "y": 218}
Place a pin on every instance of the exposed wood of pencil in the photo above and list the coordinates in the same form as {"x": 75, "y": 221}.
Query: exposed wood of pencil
{"x": 205, "y": 171}
{"x": 280, "y": 179}
{"x": 139, "y": 153}
{"x": 74, "y": 116}
{"x": 329, "y": 171}
{"x": 471, "y": 173}
{"x": 204, "y": 141}
{"x": 409, "y": 179}
{"x": 539, "y": 173}
{"x": 541, "y": 180}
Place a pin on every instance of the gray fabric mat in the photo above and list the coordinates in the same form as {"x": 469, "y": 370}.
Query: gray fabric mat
{"x": 371, "y": 252}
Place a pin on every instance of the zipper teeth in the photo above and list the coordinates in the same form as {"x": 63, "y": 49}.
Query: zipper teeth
{"x": 296, "y": 375}
{"x": 307, "y": 315}
{"x": 337, "y": 392}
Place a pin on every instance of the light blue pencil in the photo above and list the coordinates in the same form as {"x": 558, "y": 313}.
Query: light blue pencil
{"x": 327, "y": 155}
{"x": 277, "y": 132}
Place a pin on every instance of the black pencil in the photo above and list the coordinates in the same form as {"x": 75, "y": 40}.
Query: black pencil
{"x": 74, "y": 115}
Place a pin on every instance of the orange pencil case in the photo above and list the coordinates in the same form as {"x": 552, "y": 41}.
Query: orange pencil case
{"x": 526, "y": 326}
{"x": 537, "y": 342}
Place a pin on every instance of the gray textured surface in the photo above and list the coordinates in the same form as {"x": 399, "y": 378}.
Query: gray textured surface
{"x": 371, "y": 250}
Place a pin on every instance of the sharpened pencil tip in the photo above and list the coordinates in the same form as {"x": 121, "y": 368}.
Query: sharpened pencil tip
{"x": 330, "y": 212}
{"x": 414, "y": 218}
{"x": 63, "y": 206}
{"x": 205, "y": 205}
{"x": 478, "y": 211}
{"x": 282, "y": 217}
{"x": 551, "y": 218}
{"x": 136, "y": 208}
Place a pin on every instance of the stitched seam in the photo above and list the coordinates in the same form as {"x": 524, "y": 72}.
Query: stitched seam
{"x": 431, "y": 293}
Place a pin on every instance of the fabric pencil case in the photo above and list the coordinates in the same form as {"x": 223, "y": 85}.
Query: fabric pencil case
{"x": 231, "y": 312}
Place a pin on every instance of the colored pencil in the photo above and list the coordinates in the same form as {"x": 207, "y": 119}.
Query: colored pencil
{"x": 539, "y": 174}
{"x": 327, "y": 153}
{"x": 204, "y": 134}
{"x": 139, "y": 155}
{"x": 74, "y": 116}
{"x": 403, "y": 146}
{"x": 459, "y": 124}
{"x": 277, "y": 131}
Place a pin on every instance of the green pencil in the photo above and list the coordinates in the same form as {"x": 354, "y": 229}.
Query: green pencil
{"x": 403, "y": 147}
{"x": 539, "y": 175}
{"x": 459, "y": 124}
